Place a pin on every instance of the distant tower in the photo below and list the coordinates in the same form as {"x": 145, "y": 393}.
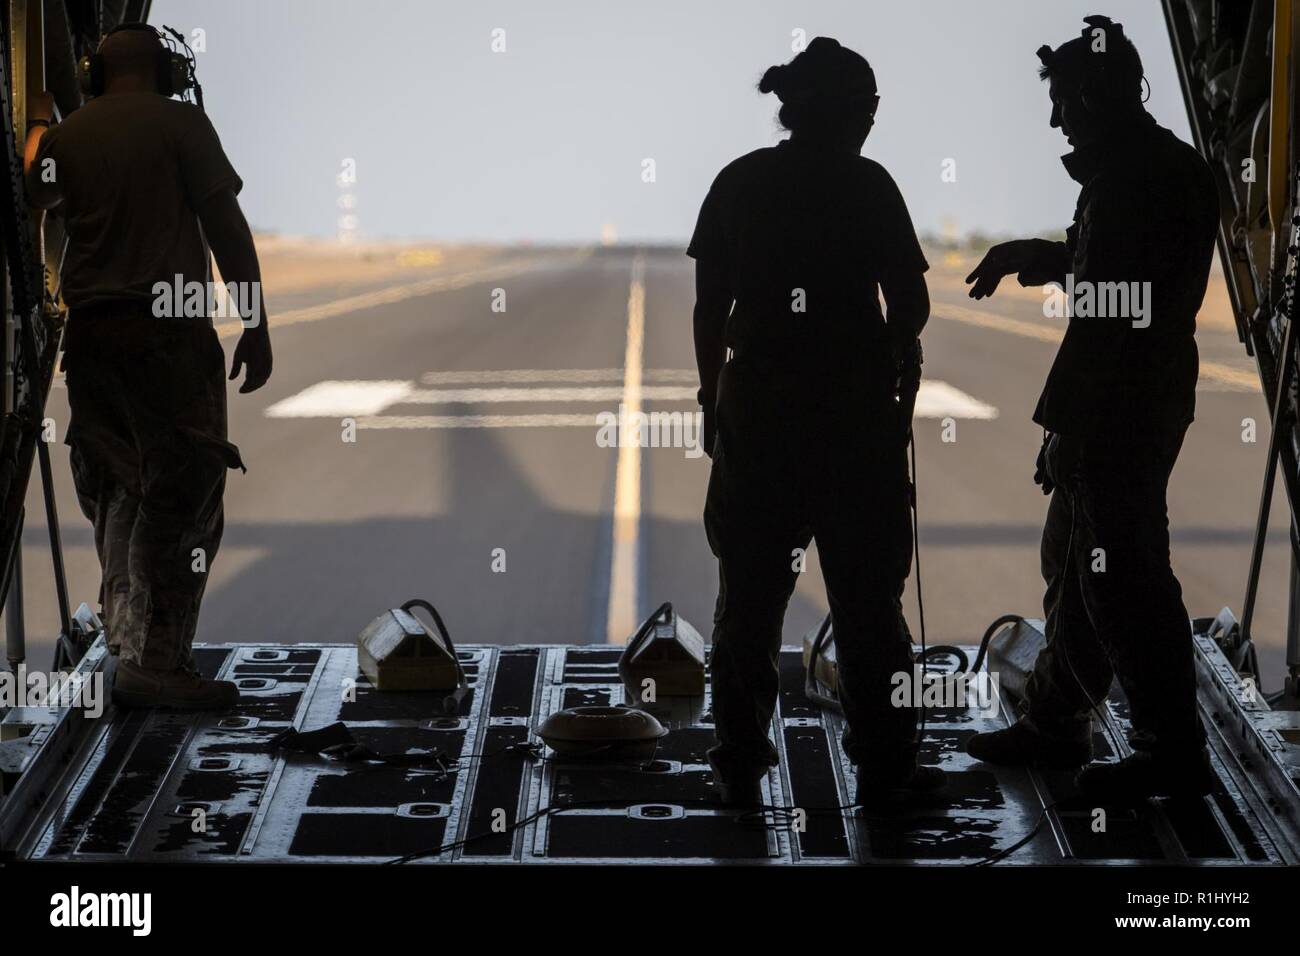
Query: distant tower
{"x": 347, "y": 202}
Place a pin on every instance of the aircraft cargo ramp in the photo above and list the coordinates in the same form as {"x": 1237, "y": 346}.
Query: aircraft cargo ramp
{"x": 164, "y": 786}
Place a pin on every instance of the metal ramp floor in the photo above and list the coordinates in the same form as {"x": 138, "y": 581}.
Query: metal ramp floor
{"x": 163, "y": 786}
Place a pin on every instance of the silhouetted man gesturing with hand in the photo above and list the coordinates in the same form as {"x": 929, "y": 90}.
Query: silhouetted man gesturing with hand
{"x": 1117, "y": 403}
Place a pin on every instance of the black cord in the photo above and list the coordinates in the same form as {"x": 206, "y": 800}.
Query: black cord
{"x": 920, "y": 604}
{"x": 988, "y": 637}
{"x": 529, "y": 747}
{"x": 950, "y": 650}
{"x": 1065, "y": 645}
{"x": 451, "y": 702}
{"x": 1007, "y": 851}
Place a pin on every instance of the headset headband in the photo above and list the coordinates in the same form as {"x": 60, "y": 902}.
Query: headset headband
{"x": 175, "y": 64}
{"x": 1106, "y": 81}
{"x": 141, "y": 27}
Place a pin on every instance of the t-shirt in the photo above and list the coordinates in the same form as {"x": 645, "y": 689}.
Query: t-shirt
{"x": 806, "y": 236}
{"x": 132, "y": 169}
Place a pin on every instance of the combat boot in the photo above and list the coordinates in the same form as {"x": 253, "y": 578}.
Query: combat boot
{"x": 741, "y": 794}
{"x": 733, "y": 788}
{"x": 1147, "y": 774}
{"x": 877, "y": 791}
{"x": 1025, "y": 744}
{"x": 180, "y": 689}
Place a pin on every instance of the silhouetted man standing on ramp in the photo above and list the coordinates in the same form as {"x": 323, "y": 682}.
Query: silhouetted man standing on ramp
{"x": 1117, "y": 403}
{"x": 145, "y": 188}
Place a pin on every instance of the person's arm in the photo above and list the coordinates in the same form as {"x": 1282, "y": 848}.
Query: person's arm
{"x": 899, "y": 261}
{"x": 907, "y": 306}
{"x": 42, "y": 191}
{"x": 713, "y": 301}
{"x": 1046, "y": 261}
{"x": 712, "y": 306}
{"x": 231, "y": 241}
{"x": 1032, "y": 261}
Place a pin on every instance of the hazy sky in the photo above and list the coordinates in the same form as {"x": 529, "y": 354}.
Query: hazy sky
{"x": 546, "y": 140}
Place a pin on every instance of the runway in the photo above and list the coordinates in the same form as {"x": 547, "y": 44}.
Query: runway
{"x": 440, "y": 436}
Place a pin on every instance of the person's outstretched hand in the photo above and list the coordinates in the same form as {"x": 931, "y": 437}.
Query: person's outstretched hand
{"x": 253, "y": 351}
{"x": 1002, "y": 260}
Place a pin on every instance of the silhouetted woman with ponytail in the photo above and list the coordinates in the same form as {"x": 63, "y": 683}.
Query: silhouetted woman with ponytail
{"x": 794, "y": 248}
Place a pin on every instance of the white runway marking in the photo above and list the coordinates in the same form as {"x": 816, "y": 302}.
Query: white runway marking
{"x": 341, "y": 399}
{"x": 477, "y": 421}
{"x": 941, "y": 400}
{"x": 513, "y": 376}
{"x": 471, "y": 396}
{"x": 370, "y": 400}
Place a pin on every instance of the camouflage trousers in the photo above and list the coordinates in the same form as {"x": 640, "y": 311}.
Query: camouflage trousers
{"x": 1123, "y": 617}
{"x": 149, "y": 457}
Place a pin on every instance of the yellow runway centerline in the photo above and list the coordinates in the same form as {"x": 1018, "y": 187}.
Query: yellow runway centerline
{"x": 622, "y": 617}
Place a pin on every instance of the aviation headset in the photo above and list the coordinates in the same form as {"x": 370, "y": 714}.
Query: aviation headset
{"x": 174, "y": 64}
{"x": 1112, "y": 81}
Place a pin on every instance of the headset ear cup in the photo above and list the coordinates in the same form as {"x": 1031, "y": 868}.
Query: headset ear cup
{"x": 94, "y": 84}
{"x": 180, "y": 73}
{"x": 164, "y": 71}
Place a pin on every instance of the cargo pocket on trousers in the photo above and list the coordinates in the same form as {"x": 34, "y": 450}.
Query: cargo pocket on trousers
{"x": 226, "y": 451}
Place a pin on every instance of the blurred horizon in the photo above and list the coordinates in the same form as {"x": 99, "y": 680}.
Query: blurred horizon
{"x": 545, "y": 140}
